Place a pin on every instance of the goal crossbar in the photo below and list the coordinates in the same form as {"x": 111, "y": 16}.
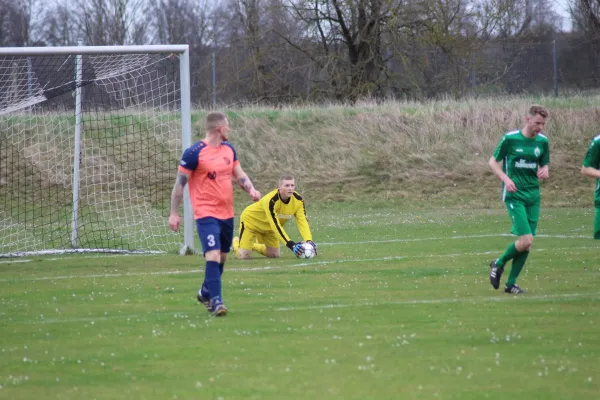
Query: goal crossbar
{"x": 86, "y": 50}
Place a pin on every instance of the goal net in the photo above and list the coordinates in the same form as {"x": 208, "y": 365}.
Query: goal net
{"x": 90, "y": 139}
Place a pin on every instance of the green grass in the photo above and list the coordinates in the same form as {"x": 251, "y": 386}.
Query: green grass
{"x": 396, "y": 306}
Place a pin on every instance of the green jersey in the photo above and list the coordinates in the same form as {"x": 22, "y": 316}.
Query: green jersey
{"x": 522, "y": 156}
{"x": 592, "y": 159}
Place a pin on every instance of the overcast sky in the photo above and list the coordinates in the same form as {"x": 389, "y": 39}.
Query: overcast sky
{"x": 562, "y": 8}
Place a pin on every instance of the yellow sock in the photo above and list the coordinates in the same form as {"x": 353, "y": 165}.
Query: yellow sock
{"x": 261, "y": 248}
{"x": 236, "y": 245}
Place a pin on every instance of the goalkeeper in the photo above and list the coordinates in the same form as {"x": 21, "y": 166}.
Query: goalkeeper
{"x": 261, "y": 223}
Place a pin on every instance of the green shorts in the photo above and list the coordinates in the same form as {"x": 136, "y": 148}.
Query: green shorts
{"x": 597, "y": 224}
{"x": 524, "y": 217}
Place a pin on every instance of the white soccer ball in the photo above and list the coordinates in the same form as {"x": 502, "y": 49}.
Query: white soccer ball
{"x": 309, "y": 250}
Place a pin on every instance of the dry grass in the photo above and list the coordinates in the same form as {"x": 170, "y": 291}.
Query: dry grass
{"x": 433, "y": 153}
{"x": 421, "y": 154}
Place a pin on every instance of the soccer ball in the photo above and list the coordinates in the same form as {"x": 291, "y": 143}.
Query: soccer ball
{"x": 309, "y": 250}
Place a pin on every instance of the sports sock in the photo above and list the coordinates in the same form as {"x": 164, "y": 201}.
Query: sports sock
{"x": 261, "y": 248}
{"x": 235, "y": 245}
{"x": 510, "y": 253}
{"x": 204, "y": 290}
{"x": 213, "y": 279}
{"x": 517, "y": 266}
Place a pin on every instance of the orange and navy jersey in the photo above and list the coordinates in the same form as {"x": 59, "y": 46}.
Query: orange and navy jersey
{"x": 210, "y": 184}
{"x": 270, "y": 213}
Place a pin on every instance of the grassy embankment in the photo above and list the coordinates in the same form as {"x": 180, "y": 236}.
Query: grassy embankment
{"x": 420, "y": 154}
{"x": 417, "y": 155}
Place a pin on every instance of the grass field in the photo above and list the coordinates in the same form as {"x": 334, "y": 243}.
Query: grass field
{"x": 397, "y": 305}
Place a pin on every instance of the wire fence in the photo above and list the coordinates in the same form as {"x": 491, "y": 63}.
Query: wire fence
{"x": 562, "y": 65}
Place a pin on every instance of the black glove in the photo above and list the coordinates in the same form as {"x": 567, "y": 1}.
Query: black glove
{"x": 297, "y": 248}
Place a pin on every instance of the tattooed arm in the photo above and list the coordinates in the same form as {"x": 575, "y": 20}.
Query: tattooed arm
{"x": 245, "y": 182}
{"x": 176, "y": 198}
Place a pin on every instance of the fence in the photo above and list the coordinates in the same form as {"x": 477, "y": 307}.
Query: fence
{"x": 565, "y": 64}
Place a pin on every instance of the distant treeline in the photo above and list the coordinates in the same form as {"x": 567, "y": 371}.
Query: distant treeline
{"x": 277, "y": 52}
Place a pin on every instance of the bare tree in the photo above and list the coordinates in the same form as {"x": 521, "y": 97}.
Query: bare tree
{"x": 188, "y": 22}
{"x": 261, "y": 66}
{"x": 112, "y": 22}
{"x": 248, "y": 14}
{"x": 586, "y": 16}
{"x": 60, "y": 26}
{"x": 19, "y": 22}
{"x": 181, "y": 21}
{"x": 344, "y": 39}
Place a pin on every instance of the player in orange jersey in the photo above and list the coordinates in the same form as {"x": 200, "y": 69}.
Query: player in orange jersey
{"x": 208, "y": 166}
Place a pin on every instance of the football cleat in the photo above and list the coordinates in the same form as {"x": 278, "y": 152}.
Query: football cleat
{"x": 217, "y": 308}
{"x": 495, "y": 274}
{"x": 514, "y": 289}
{"x": 205, "y": 301}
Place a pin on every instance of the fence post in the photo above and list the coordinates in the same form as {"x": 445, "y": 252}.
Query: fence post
{"x": 555, "y": 61}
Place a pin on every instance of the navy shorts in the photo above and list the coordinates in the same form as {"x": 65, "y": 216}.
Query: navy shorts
{"x": 215, "y": 234}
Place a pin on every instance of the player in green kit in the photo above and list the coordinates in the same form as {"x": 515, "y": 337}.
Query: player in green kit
{"x": 591, "y": 168}
{"x": 525, "y": 155}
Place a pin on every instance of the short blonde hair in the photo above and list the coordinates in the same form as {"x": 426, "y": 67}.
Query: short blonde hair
{"x": 214, "y": 119}
{"x": 537, "y": 109}
{"x": 286, "y": 177}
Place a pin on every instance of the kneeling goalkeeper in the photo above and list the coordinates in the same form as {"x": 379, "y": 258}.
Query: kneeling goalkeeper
{"x": 261, "y": 223}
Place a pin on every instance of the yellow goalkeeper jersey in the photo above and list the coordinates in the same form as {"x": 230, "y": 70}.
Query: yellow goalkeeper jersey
{"x": 270, "y": 213}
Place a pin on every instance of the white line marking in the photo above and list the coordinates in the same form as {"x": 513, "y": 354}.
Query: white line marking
{"x": 277, "y": 267}
{"x": 399, "y": 240}
{"x": 407, "y": 240}
{"x": 507, "y": 297}
{"x": 590, "y": 237}
{"x": 14, "y": 261}
{"x": 77, "y": 251}
{"x": 87, "y": 319}
{"x": 115, "y": 275}
{"x": 500, "y": 298}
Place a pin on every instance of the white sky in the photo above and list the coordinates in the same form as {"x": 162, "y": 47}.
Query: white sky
{"x": 562, "y": 9}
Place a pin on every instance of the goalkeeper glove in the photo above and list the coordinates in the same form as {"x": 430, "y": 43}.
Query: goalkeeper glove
{"x": 314, "y": 246}
{"x": 297, "y": 248}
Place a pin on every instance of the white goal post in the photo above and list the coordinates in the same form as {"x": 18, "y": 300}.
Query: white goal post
{"x": 90, "y": 140}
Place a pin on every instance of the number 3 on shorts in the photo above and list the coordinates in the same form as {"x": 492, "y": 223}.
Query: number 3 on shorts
{"x": 210, "y": 239}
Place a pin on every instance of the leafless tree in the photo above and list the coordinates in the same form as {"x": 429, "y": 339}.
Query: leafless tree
{"x": 279, "y": 51}
{"x": 248, "y": 17}
{"x": 585, "y": 40}
{"x": 523, "y": 17}
{"x": 260, "y": 65}
{"x": 60, "y": 26}
{"x": 181, "y": 21}
{"x": 192, "y": 22}
{"x": 344, "y": 39}
{"x": 19, "y": 22}
{"x": 586, "y": 16}
{"x": 112, "y": 22}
